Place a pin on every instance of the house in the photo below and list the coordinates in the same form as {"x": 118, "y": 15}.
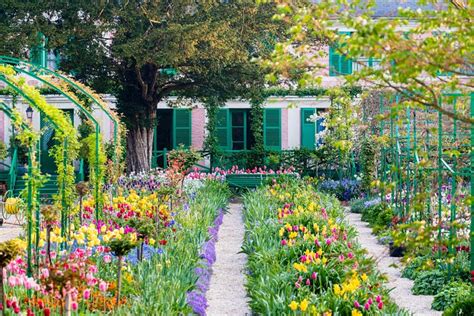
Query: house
{"x": 286, "y": 123}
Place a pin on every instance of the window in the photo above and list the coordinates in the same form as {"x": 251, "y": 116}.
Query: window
{"x": 173, "y": 128}
{"x": 362, "y": 63}
{"x": 233, "y": 129}
{"x": 338, "y": 64}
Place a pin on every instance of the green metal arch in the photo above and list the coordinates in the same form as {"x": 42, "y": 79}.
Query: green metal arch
{"x": 56, "y": 127}
{"x": 15, "y": 61}
{"x": 5, "y": 109}
{"x": 83, "y": 110}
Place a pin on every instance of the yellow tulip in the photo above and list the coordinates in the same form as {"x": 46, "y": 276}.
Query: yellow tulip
{"x": 304, "y": 305}
{"x": 293, "y": 305}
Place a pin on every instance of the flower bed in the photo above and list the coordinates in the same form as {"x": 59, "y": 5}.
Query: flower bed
{"x": 140, "y": 258}
{"x": 303, "y": 257}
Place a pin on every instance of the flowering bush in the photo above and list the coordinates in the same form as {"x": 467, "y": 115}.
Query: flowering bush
{"x": 344, "y": 190}
{"x": 146, "y": 233}
{"x": 302, "y": 256}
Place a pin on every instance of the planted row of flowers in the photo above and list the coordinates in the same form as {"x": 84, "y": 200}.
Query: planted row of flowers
{"x": 143, "y": 257}
{"x": 303, "y": 257}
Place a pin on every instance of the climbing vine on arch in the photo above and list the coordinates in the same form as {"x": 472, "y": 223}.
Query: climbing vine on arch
{"x": 67, "y": 149}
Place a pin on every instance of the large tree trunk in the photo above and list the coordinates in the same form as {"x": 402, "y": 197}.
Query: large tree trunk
{"x": 139, "y": 148}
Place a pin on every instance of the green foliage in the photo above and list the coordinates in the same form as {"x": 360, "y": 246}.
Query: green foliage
{"x": 423, "y": 61}
{"x": 358, "y": 205}
{"x": 378, "y": 216}
{"x": 367, "y": 158}
{"x": 22, "y": 150}
{"x": 3, "y": 150}
{"x": 173, "y": 271}
{"x": 451, "y": 294}
{"x": 429, "y": 282}
{"x": 256, "y": 127}
{"x": 184, "y": 157}
{"x": 273, "y": 280}
{"x": 415, "y": 266}
{"x": 462, "y": 308}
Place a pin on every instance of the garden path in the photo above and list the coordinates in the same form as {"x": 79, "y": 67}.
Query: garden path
{"x": 9, "y": 231}
{"x": 401, "y": 293}
{"x": 227, "y": 295}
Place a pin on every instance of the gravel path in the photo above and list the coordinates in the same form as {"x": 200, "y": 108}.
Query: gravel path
{"x": 401, "y": 293}
{"x": 9, "y": 231}
{"x": 227, "y": 295}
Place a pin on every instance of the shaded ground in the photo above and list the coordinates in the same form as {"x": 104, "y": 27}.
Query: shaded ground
{"x": 227, "y": 295}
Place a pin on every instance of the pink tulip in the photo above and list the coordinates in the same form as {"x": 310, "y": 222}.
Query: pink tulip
{"x": 328, "y": 241}
{"x": 370, "y": 301}
{"x": 107, "y": 258}
{"x": 378, "y": 299}
{"x": 367, "y": 306}
{"x": 102, "y": 286}
{"x": 380, "y": 306}
{"x": 283, "y": 242}
{"x": 74, "y": 306}
{"x": 308, "y": 282}
{"x": 87, "y": 294}
{"x": 356, "y": 304}
{"x": 12, "y": 281}
{"x": 314, "y": 275}
{"x": 297, "y": 285}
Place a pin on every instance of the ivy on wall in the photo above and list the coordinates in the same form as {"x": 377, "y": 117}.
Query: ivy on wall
{"x": 256, "y": 127}
{"x": 211, "y": 145}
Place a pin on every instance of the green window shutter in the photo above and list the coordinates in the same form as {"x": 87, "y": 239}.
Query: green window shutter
{"x": 334, "y": 62}
{"x": 181, "y": 127}
{"x": 272, "y": 129}
{"x": 223, "y": 129}
{"x": 38, "y": 54}
{"x": 339, "y": 64}
{"x": 346, "y": 66}
{"x": 308, "y": 129}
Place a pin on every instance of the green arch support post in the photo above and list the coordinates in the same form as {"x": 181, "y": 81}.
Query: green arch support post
{"x": 9, "y": 112}
{"x": 83, "y": 110}
{"x": 56, "y": 127}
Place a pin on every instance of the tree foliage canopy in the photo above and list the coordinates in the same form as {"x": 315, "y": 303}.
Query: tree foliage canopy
{"x": 421, "y": 52}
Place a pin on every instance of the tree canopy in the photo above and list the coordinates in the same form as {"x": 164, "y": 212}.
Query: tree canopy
{"x": 420, "y": 53}
{"x": 144, "y": 51}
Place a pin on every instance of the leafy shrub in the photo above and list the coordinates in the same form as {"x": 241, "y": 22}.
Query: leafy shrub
{"x": 414, "y": 267}
{"x": 461, "y": 308}
{"x": 379, "y": 216}
{"x": 450, "y": 294}
{"x": 344, "y": 190}
{"x": 429, "y": 282}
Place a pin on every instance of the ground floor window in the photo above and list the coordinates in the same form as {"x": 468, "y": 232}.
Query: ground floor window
{"x": 233, "y": 129}
{"x": 173, "y": 128}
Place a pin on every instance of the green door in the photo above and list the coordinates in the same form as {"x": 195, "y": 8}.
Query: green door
{"x": 308, "y": 129}
{"x": 47, "y": 142}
